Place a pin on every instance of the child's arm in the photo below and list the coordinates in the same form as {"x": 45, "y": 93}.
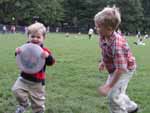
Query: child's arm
{"x": 17, "y": 51}
{"x": 103, "y": 90}
{"x": 116, "y": 75}
{"x": 50, "y": 60}
{"x": 48, "y": 56}
{"x": 101, "y": 66}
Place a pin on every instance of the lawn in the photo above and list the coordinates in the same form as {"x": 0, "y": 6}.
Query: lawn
{"x": 72, "y": 82}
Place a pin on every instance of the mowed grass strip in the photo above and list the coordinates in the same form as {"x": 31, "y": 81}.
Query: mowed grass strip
{"x": 71, "y": 84}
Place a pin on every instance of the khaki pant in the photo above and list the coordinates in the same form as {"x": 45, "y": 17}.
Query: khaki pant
{"x": 119, "y": 102}
{"x": 25, "y": 90}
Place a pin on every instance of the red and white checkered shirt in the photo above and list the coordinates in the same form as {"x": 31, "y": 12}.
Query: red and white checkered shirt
{"x": 116, "y": 53}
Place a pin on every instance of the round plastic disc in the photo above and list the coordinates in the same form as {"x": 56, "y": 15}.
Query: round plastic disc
{"x": 30, "y": 59}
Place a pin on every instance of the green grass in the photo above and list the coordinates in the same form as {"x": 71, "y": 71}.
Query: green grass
{"x": 72, "y": 82}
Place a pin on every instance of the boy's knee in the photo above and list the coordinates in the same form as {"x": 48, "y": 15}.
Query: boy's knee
{"x": 21, "y": 97}
{"x": 18, "y": 93}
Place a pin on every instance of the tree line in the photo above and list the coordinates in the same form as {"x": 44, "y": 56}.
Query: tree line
{"x": 77, "y": 13}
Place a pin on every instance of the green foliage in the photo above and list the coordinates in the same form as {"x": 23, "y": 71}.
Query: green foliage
{"x": 49, "y": 11}
{"x": 146, "y": 21}
{"x": 77, "y": 13}
{"x": 132, "y": 14}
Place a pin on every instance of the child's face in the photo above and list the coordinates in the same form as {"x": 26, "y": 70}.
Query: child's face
{"x": 103, "y": 31}
{"x": 36, "y": 38}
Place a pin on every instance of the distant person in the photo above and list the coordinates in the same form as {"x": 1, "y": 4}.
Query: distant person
{"x": 67, "y": 34}
{"x": 13, "y": 29}
{"x": 31, "y": 87}
{"x": 139, "y": 42}
{"x": 48, "y": 29}
{"x": 117, "y": 59}
{"x": 25, "y": 30}
{"x": 138, "y": 35}
{"x": 4, "y": 29}
{"x": 90, "y": 33}
{"x": 146, "y": 36}
{"x": 79, "y": 33}
{"x": 57, "y": 29}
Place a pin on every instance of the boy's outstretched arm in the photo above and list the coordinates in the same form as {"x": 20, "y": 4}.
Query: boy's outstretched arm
{"x": 116, "y": 75}
{"x": 104, "y": 89}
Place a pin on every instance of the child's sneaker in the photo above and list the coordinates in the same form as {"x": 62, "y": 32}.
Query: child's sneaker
{"x": 20, "y": 109}
{"x": 134, "y": 111}
{"x": 132, "y": 107}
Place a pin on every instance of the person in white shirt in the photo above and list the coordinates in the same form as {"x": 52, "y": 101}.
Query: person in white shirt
{"x": 90, "y": 33}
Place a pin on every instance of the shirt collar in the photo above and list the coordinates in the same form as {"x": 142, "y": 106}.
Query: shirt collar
{"x": 110, "y": 38}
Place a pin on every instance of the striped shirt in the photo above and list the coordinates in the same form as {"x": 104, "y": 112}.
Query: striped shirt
{"x": 116, "y": 53}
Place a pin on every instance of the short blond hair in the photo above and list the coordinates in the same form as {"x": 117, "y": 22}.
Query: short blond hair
{"x": 108, "y": 17}
{"x": 36, "y": 27}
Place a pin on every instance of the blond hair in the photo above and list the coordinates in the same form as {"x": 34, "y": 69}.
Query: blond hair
{"x": 36, "y": 27}
{"x": 108, "y": 17}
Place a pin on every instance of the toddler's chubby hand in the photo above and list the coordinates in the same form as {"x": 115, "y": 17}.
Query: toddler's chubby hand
{"x": 44, "y": 54}
{"x": 18, "y": 50}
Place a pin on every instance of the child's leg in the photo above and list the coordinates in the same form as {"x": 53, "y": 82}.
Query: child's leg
{"x": 114, "y": 101}
{"x": 20, "y": 91}
{"x": 90, "y": 36}
{"x": 22, "y": 97}
{"x": 130, "y": 105}
{"x": 37, "y": 96}
{"x": 119, "y": 102}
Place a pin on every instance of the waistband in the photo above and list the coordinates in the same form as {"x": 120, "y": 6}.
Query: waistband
{"x": 32, "y": 80}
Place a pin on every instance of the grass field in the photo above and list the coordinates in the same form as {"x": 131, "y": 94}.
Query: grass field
{"x": 72, "y": 82}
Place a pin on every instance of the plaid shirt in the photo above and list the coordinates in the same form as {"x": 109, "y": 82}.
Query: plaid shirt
{"x": 116, "y": 53}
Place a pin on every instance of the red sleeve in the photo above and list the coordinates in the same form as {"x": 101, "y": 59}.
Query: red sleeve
{"x": 47, "y": 50}
{"x": 50, "y": 60}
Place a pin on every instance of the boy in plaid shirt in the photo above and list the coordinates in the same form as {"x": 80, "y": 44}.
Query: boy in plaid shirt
{"x": 117, "y": 59}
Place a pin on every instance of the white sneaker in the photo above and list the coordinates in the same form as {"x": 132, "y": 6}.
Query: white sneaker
{"x": 132, "y": 107}
{"x": 20, "y": 109}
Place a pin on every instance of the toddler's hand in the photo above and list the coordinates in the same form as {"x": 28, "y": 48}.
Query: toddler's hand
{"x": 18, "y": 50}
{"x": 101, "y": 66}
{"x": 44, "y": 54}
